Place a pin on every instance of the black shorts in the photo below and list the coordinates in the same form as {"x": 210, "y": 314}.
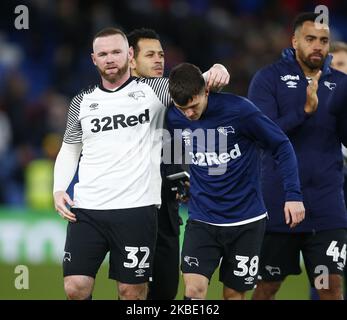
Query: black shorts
{"x": 238, "y": 246}
{"x": 321, "y": 251}
{"x": 128, "y": 234}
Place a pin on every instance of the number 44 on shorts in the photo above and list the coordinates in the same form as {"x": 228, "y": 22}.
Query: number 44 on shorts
{"x": 334, "y": 252}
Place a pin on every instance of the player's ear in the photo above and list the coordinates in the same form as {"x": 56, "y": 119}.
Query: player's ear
{"x": 132, "y": 63}
{"x": 93, "y": 58}
{"x": 294, "y": 42}
{"x": 131, "y": 53}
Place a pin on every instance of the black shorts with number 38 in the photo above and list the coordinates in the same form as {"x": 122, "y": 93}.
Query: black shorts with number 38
{"x": 235, "y": 248}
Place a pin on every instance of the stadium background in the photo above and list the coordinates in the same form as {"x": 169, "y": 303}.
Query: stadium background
{"x": 43, "y": 67}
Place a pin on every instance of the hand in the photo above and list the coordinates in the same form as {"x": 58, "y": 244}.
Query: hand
{"x": 311, "y": 104}
{"x": 60, "y": 200}
{"x": 294, "y": 212}
{"x": 185, "y": 198}
{"x": 217, "y": 77}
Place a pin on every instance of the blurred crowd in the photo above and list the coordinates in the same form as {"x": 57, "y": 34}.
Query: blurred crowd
{"x": 43, "y": 67}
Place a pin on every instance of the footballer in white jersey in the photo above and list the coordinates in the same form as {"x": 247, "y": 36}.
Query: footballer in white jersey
{"x": 112, "y": 134}
{"x": 119, "y": 132}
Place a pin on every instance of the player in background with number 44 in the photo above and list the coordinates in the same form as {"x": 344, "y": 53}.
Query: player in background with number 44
{"x": 338, "y": 104}
{"x": 294, "y": 93}
{"x": 226, "y": 211}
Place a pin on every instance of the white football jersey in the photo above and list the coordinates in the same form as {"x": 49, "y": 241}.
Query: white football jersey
{"x": 121, "y": 145}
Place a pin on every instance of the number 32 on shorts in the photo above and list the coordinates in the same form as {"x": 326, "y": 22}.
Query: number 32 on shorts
{"x": 245, "y": 267}
{"x": 134, "y": 260}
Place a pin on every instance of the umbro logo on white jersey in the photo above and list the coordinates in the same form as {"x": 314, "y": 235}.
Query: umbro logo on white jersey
{"x": 137, "y": 94}
{"x": 94, "y": 106}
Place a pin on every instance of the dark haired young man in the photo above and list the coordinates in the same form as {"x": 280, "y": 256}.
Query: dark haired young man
{"x": 223, "y": 134}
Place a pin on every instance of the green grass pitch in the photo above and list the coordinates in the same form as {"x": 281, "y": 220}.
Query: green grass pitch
{"x": 46, "y": 282}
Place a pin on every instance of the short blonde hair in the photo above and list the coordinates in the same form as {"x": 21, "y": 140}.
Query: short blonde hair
{"x": 110, "y": 32}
